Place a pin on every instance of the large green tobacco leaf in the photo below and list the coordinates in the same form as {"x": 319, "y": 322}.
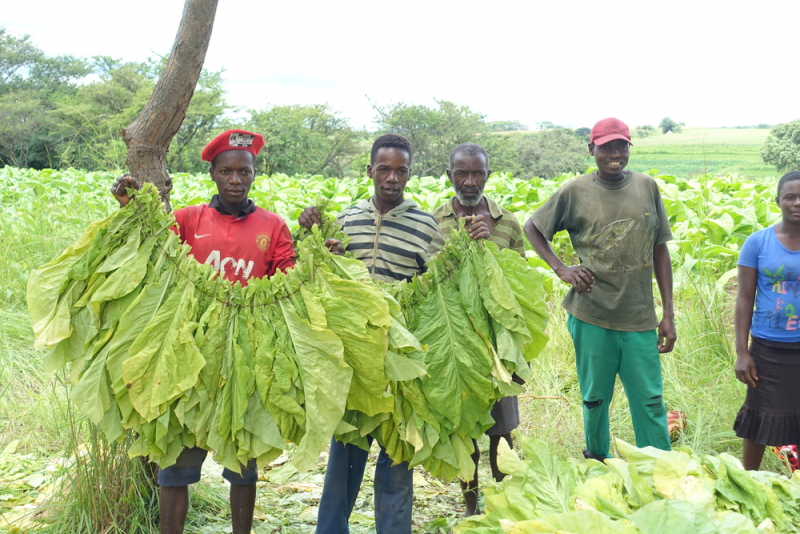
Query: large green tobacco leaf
{"x": 644, "y": 459}
{"x": 673, "y": 517}
{"x": 581, "y": 522}
{"x": 210, "y": 336}
{"x": 526, "y": 283}
{"x": 603, "y": 493}
{"x": 125, "y": 279}
{"x": 123, "y": 254}
{"x": 733, "y": 523}
{"x": 262, "y": 438}
{"x": 324, "y": 374}
{"x": 67, "y": 350}
{"x": 278, "y": 378}
{"x": 60, "y": 325}
{"x": 45, "y": 288}
{"x": 402, "y": 368}
{"x": 547, "y": 477}
{"x": 92, "y": 393}
{"x": 237, "y": 385}
{"x": 458, "y": 361}
{"x": 498, "y": 297}
{"x": 756, "y": 499}
{"x": 165, "y": 360}
{"x": 637, "y": 490}
{"x": 469, "y": 281}
{"x": 358, "y": 314}
{"x": 131, "y": 324}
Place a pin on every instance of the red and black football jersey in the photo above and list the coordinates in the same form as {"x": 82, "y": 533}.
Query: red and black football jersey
{"x": 239, "y": 248}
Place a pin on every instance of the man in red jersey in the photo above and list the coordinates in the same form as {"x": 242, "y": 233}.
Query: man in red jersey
{"x": 241, "y": 241}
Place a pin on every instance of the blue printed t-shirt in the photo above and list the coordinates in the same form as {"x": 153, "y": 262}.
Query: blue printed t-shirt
{"x": 776, "y": 316}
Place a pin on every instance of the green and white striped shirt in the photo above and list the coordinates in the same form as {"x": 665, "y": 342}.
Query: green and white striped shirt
{"x": 507, "y": 233}
{"x": 394, "y": 246}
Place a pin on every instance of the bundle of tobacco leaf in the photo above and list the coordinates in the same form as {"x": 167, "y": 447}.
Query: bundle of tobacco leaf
{"x": 158, "y": 344}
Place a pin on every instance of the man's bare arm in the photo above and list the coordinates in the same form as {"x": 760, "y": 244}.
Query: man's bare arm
{"x": 662, "y": 265}
{"x": 577, "y": 276}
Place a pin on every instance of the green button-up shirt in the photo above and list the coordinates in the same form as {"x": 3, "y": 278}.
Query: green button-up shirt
{"x": 507, "y": 232}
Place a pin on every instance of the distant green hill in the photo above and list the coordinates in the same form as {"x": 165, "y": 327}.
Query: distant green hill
{"x": 695, "y": 150}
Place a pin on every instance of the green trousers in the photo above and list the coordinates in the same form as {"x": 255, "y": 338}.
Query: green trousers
{"x": 601, "y": 354}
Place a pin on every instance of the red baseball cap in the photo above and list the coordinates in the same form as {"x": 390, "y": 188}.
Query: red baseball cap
{"x": 609, "y": 129}
{"x": 233, "y": 140}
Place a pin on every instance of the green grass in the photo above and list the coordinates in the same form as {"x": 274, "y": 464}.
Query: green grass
{"x": 698, "y": 150}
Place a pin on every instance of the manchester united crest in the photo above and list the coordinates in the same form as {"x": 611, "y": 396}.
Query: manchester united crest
{"x": 262, "y": 242}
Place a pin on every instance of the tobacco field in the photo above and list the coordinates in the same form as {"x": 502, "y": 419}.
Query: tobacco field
{"x": 45, "y": 440}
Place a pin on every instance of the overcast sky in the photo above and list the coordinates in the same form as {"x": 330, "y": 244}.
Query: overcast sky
{"x": 572, "y": 62}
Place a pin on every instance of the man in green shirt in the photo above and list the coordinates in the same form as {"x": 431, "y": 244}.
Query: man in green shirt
{"x": 468, "y": 172}
{"x": 618, "y": 227}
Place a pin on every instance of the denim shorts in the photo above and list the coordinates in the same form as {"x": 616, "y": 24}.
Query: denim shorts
{"x": 189, "y": 464}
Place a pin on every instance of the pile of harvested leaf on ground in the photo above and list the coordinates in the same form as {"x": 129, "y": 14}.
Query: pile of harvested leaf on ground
{"x": 653, "y": 492}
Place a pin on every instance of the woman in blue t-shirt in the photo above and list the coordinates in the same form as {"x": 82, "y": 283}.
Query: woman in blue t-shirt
{"x": 769, "y": 278}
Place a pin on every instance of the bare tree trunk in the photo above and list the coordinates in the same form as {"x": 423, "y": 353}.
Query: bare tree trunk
{"x": 149, "y": 136}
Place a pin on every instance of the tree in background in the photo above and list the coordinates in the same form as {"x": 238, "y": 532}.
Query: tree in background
{"x": 669, "y": 125}
{"x": 52, "y": 116}
{"x": 502, "y": 149}
{"x": 21, "y": 115}
{"x": 505, "y": 126}
{"x": 545, "y": 154}
{"x": 89, "y": 119}
{"x": 583, "y": 133}
{"x": 551, "y": 153}
{"x": 432, "y": 132}
{"x": 16, "y": 53}
{"x": 31, "y": 86}
{"x": 782, "y": 147}
{"x": 305, "y": 139}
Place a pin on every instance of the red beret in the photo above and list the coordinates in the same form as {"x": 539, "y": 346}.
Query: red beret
{"x": 233, "y": 140}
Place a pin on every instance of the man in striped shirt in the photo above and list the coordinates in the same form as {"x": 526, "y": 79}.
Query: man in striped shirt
{"x": 394, "y": 239}
{"x": 468, "y": 172}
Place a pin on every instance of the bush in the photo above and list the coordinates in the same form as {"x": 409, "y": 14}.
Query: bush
{"x": 550, "y": 153}
{"x": 782, "y": 147}
{"x": 669, "y": 125}
{"x": 644, "y": 131}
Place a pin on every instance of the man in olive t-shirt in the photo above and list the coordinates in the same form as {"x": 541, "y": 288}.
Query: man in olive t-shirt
{"x": 619, "y": 229}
